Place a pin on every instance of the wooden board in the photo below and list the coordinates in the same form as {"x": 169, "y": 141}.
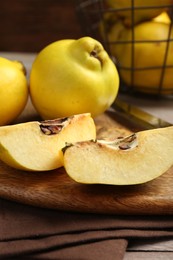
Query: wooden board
{"x": 55, "y": 190}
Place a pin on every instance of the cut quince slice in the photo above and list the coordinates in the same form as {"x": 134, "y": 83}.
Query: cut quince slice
{"x": 36, "y": 146}
{"x": 135, "y": 159}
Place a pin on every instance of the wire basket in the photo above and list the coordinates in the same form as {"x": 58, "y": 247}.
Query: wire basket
{"x": 138, "y": 38}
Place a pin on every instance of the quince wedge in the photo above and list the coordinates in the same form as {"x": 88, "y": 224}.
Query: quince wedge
{"x": 36, "y": 146}
{"x": 134, "y": 159}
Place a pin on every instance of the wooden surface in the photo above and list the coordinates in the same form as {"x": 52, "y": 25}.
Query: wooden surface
{"x": 54, "y": 189}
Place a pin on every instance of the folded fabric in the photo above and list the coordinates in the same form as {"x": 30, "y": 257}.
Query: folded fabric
{"x": 35, "y": 233}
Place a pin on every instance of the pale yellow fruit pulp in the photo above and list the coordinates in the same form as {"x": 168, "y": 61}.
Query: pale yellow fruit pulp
{"x": 100, "y": 163}
{"x": 25, "y": 146}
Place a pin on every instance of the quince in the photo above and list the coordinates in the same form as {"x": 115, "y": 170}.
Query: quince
{"x": 13, "y": 90}
{"x": 141, "y": 56}
{"x": 71, "y": 77}
{"x": 36, "y": 146}
{"x": 142, "y": 10}
{"x": 135, "y": 159}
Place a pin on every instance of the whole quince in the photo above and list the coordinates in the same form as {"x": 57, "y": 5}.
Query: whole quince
{"x": 72, "y": 77}
{"x": 13, "y": 90}
{"x": 141, "y": 11}
{"x": 142, "y": 56}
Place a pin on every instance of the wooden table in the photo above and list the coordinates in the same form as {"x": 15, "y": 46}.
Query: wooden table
{"x": 157, "y": 249}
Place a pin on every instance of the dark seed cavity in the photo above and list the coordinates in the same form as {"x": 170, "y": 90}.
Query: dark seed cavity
{"x": 51, "y": 127}
{"x": 124, "y": 147}
{"x": 126, "y": 142}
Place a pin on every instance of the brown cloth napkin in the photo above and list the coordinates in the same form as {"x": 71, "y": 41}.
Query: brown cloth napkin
{"x": 28, "y": 232}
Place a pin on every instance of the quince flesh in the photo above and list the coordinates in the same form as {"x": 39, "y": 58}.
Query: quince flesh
{"x": 36, "y": 146}
{"x": 135, "y": 159}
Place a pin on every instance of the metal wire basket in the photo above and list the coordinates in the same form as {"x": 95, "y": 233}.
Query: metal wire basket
{"x": 139, "y": 39}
